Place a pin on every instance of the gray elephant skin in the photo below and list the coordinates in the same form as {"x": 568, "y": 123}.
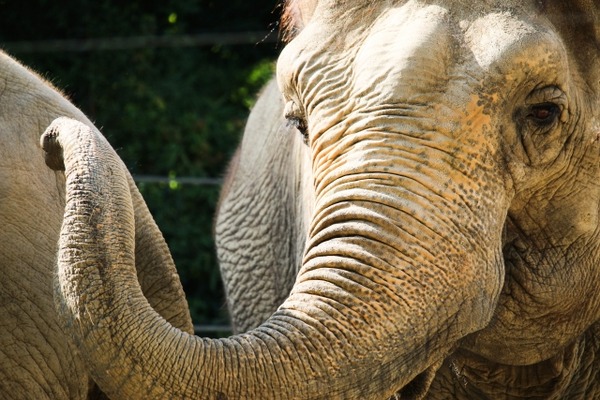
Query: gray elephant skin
{"x": 37, "y": 358}
{"x": 412, "y": 213}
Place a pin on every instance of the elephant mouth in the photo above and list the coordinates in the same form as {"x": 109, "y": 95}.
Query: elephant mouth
{"x": 418, "y": 388}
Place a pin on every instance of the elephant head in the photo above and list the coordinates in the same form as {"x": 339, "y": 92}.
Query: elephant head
{"x": 454, "y": 155}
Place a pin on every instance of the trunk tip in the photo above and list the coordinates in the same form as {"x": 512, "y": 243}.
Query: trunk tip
{"x": 53, "y": 151}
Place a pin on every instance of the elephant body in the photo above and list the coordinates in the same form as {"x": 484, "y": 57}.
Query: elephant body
{"x": 413, "y": 213}
{"x": 37, "y": 358}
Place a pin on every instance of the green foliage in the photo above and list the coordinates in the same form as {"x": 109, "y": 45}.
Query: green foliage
{"x": 168, "y": 111}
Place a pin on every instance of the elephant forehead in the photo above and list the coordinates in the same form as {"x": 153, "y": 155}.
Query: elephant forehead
{"x": 513, "y": 46}
{"x": 385, "y": 41}
{"x": 430, "y": 40}
{"x": 490, "y": 36}
{"x": 403, "y": 43}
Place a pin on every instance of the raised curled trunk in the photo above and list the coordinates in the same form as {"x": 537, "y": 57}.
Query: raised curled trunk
{"x": 370, "y": 310}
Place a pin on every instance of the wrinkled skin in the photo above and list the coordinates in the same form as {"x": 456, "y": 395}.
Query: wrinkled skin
{"x": 37, "y": 359}
{"x": 449, "y": 199}
{"x": 265, "y": 206}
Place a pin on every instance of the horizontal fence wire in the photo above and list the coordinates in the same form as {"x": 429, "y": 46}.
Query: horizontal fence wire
{"x": 211, "y": 329}
{"x": 138, "y": 42}
{"x": 184, "y": 180}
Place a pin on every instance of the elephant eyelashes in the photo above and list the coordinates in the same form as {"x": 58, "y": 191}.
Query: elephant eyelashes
{"x": 300, "y": 125}
{"x": 296, "y": 119}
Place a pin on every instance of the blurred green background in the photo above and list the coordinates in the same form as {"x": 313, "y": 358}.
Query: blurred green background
{"x": 170, "y": 110}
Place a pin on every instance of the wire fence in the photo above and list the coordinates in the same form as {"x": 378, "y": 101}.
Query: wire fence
{"x": 184, "y": 180}
{"x": 138, "y": 42}
{"x": 199, "y": 329}
{"x": 212, "y": 330}
{"x": 202, "y": 329}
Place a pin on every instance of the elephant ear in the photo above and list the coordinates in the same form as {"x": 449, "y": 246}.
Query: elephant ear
{"x": 578, "y": 22}
{"x": 296, "y": 15}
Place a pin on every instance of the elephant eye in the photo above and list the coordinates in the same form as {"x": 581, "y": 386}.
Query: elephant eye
{"x": 295, "y": 118}
{"x": 300, "y": 125}
{"x": 543, "y": 114}
{"x": 541, "y": 124}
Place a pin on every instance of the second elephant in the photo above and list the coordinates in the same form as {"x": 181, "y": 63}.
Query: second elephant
{"x": 37, "y": 358}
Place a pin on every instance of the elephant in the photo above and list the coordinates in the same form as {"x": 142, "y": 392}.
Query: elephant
{"x": 433, "y": 197}
{"x": 37, "y": 358}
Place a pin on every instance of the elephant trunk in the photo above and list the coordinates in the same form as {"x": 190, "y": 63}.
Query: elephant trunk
{"x": 370, "y": 310}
